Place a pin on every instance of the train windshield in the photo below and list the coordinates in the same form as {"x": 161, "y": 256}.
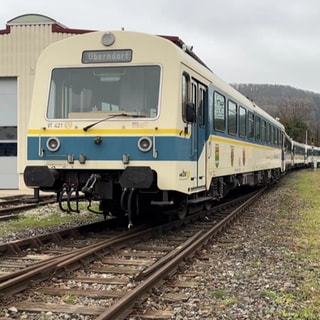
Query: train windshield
{"x": 91, "y": 93}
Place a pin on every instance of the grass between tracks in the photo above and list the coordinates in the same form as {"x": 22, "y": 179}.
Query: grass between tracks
{"x": 299, "y": 212}
{"x": 302, "y": 202}
{"x": 44, "y": 217}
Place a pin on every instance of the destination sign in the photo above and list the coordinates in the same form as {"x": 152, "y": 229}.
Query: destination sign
{"x": 107, "y": 56}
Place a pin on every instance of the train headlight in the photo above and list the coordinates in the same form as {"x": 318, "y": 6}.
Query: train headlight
{"x": 144, "y": 144}
{"x": 53, "y": 144}
{"x": 82, "y": 158}
{"x": 108, "y": 39}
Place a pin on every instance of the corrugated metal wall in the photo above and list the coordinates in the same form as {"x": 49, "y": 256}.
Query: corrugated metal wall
{"x": 20, "y": 47}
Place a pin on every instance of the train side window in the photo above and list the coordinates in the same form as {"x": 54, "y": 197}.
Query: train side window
{"x": 250, "y": 125}
{"x": 268, "y": 133}
{"x": 277, "y": 137}
{"x": 281, "y": 139}
{"x": 242, "y": 122}
{"x": 287, "y": 144}
{"x": 219, "y": 111}
{"x": 263, "y": 130}
{"x": 232, "y": 117}
{"x": 272, "y": 135}
{"x": 258, "y": 129}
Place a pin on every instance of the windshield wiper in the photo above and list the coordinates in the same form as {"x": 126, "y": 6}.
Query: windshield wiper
{"x": 86, "y": 128}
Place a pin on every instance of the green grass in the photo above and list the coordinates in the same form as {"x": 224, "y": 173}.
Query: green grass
{"x": 69, "y": 299}
{"x": 226, "y": 298}
{"x": 44, "y": 218}
{"x": 302, "y": 202}
{"x": 295, "y": 231}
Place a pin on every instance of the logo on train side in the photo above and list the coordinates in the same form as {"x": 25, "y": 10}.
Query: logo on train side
{"x": 217, "y": 155}
{"x": 184, "y": 175}
{"x": 244, "y": 156}
{"x": 232, "y": 155}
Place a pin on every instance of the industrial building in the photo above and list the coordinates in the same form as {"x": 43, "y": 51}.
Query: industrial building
{"x": 21, "y": 42}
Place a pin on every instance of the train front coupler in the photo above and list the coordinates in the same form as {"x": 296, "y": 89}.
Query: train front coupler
{"x": 88, "y": 188}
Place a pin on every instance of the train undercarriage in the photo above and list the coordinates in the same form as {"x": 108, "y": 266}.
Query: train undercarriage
{"x": 134, "y": 192}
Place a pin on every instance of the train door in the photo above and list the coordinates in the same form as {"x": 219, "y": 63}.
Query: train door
{"x": 199, "y": 132}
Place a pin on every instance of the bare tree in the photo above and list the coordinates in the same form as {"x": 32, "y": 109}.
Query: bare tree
{"x": 295, "y": 116}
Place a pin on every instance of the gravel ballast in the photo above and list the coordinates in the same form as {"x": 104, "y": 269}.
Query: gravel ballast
{"x": 255, "y": 270}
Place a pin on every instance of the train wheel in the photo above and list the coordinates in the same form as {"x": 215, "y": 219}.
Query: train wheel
{"x": 207, "y": 205}
{"x": 183, "y": 210}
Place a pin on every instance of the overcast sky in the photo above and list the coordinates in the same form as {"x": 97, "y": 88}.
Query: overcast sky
{"x": 242, "y": 41}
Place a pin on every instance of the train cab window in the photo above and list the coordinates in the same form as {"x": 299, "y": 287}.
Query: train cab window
{"x": 242, "y": 122}
{"x": 185, "y": 95}
{"x": 95, "y": 92}
{"x": 232, "y": 118}
{"x": 219, "y": 111}
{"x": 250, "y": 125}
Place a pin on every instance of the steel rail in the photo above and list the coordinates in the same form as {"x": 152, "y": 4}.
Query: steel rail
{"x": 123, "y": 306}
{"x": 21, "y": 279}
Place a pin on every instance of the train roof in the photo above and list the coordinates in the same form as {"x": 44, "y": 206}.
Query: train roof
{"x": 177, "y": 42}
{"x": 227, "y": 87}
{"x": 182, "y": 45}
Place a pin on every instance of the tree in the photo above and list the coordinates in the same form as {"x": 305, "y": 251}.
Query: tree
{"x": 294, "y": 115}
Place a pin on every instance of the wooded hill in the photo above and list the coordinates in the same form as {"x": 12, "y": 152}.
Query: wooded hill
{"x": 297, "y": 109}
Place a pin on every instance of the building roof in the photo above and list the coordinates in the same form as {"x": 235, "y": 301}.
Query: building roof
{"x": 39, "y": 19}
{"x": 30, "y": 19}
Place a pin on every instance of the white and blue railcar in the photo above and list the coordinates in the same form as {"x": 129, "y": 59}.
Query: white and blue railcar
{"x": 313, "y": 154}
{"x": 300, "y": 154}
{"x": 288, "y": 152}
{"x": 137, "y": 121}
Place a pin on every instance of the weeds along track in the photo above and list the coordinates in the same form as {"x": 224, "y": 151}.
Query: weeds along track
{"x": 104, "y": 275}
{"x": 10, "y": 207}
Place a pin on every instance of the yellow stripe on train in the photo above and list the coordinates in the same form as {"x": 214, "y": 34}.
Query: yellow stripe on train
{"x": 123, "y": 131}
{"x": 217, "y": 139}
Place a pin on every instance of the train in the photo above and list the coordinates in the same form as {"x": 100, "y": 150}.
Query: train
{"x": 140, "y": 124}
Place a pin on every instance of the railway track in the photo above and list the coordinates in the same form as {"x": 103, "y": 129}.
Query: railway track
{"x": 10, "y": 207}
{"x": 103, "y": 276}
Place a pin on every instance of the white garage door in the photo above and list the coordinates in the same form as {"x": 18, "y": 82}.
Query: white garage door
{"x": 8, "y": 134}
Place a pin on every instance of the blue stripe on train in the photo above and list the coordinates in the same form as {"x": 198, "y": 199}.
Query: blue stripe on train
{"x": 112, "y": 148}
